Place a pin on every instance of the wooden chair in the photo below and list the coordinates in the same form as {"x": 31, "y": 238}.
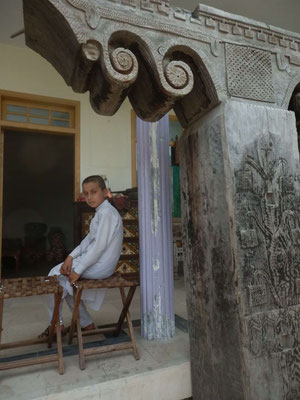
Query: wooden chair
{"x": 23, "y": 287}
{"x": 115, "y": 281}
{"x": 11, "y": 248}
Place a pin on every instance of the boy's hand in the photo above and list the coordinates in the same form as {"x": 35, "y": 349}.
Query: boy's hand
{"x": 66, "y": 267}
{"x": 73, "y": 277}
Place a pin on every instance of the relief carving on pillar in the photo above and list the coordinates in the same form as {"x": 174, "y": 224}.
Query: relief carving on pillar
{"x": 268, "y": 210}
{"x": 276, "y": 335}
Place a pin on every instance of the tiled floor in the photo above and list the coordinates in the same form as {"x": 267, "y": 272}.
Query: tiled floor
{"x": 162, "y": 373}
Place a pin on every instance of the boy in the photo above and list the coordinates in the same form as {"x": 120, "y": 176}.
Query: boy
{"x": 95, "y": 257}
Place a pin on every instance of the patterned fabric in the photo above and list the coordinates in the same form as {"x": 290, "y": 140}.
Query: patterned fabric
{"x": 129, "y": 259}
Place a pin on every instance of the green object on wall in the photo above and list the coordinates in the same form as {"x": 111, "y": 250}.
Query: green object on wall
{"x": 176, "y": 192}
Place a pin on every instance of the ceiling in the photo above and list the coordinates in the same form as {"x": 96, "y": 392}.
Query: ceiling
{"x": 282, "y": 13}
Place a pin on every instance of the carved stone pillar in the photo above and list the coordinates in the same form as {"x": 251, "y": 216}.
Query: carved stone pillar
{"x": 155, "y": 229}
{"x": 241, "y": 207}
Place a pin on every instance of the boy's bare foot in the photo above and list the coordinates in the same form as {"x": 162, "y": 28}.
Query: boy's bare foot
{"x": 89, "y": 327}
{"x": 46, "y": 332}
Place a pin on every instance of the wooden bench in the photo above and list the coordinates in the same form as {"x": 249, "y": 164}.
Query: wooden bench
{"x": 24, "y": 287}
{"x": 115, "y": 281}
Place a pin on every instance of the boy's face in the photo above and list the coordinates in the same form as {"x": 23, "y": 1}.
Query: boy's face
{"x": 93, "y": 194}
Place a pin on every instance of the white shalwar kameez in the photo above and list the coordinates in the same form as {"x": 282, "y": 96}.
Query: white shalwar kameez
{"x": 94, "y": 258}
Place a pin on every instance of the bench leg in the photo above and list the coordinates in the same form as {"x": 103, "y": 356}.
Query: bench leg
{"x": 77, "y": 297}
{"x": 55, "y": 328}
{"x": 76, "y": 322}
{"x": 80, "y": 345}
{"x": 129, "y": 322}
{"x": 55, "y": 316}
{"x": 125, "y": 309}
{"x": 125, "y": 312}
{"x": 41, "y": 359}
{"x": 1, "y": 316}
{"x": 59, "y": 349}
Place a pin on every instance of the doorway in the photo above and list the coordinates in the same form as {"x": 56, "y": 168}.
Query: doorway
{"x": 38, "y": 193}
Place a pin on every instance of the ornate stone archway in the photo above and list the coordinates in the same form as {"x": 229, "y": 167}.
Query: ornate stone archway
{"x": 229, "y": 80}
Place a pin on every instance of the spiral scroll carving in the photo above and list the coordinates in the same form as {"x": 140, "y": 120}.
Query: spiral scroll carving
{"x": 179, "y": 75}
{"x": 91, "y": 50}
{"x": 124, "y": 61}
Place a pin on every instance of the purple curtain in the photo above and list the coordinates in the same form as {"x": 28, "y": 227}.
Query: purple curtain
{"x": 155, "y": 229}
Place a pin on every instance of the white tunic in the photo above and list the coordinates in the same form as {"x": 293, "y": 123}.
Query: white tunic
{"x": 98, "y": 253}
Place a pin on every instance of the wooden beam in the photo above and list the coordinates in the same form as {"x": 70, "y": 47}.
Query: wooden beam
{"x": 26, "y": 126}
{"x": 27, "y": 362}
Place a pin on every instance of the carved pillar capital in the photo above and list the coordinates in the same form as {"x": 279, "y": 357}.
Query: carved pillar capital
{"x": 160, "y": 57}
{"x": 102, "y": 48}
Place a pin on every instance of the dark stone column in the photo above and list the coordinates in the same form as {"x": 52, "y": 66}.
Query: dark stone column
{"x": 241, "y": 207}
{"x": 155, "y": 229}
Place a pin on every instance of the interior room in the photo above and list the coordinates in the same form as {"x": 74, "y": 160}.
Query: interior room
{"x": 38, "y": 176}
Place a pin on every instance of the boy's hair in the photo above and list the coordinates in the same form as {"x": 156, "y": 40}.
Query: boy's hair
{"x": 97, "y": 179}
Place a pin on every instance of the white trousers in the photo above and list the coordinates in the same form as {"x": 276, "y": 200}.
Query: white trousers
{"x": 94, "y": 297}
{"x": 85, "y": 318}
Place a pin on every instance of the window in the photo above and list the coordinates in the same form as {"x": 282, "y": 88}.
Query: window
{"x": 48, "y": 115}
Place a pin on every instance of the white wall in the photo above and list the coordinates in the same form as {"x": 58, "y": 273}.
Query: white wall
{"x": 105, "y": 146}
